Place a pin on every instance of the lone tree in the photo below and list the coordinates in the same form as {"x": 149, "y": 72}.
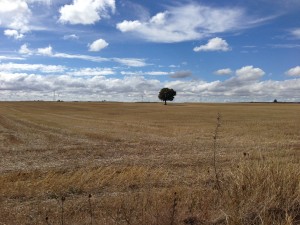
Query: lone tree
{"x": 166, "y": 94}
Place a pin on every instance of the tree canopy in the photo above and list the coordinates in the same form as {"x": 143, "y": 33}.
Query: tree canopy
{"x": 166, "y": 94}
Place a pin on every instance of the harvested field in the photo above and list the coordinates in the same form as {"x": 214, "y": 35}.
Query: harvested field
{"x": 121, "y": 163}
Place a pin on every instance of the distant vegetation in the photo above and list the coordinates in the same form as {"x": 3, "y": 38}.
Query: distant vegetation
{"x": 166, "y": 94}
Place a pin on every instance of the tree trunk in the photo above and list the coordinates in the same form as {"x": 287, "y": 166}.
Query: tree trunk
{"x": 165, "y": 102}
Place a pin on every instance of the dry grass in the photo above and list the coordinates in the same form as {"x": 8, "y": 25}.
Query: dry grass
{"x": 133, "y": 157}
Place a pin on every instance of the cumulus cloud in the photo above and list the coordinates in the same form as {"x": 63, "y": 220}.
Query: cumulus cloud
{"x": 24, "y": 50}
{"x": 246, "y": 85}
{"x": 293, "y": 71}
{"x": 45, "y": 51}
{"x": 159, "y": 18}
{"x": 248, "y": 73}
{"x": 226, "y": 71}
{"x": 76, "y": 87}
{"x": 244, "y": 81}
{"x": 20, "y": 85}
{"x": 15, "y": 15}
{"x": 126, "y": 26}
{"x": 222, "y": 91}
{"x": 14, "y": 34}
{"x": 214, "y": 44}
{"x": 181, "y": 74}
{"x": 86, "y": 11}
{"x": 18, "y": 17}
{"x": 98, "y": 45}
{"x": 187, "y": 22}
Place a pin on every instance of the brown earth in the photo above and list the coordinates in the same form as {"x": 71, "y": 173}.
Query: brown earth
{"x": 132, "y": 157}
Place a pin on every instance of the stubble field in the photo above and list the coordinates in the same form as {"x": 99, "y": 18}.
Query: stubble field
{"x": 122, "y": 163}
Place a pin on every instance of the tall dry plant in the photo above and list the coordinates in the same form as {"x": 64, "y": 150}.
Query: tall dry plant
{"x": 173, "y": 210}
{"x": 90, "y": 209}
{"x": 62, "y": 209}
{"x": 215, "y": 145}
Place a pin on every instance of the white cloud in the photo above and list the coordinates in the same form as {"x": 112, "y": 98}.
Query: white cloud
{"x": 293, "y": 71}
{"x": 46, "y": 2}
{"x": 92, "y": 72}
{"x": 82, "y": 57}
{"x": 296, "y": 33}
{"x": 77, "y": 88}
{"x": 132, "y": 73}
{"x": 20, "y": 67}
{"x": 48, "y": 51}
{"x": 98, "y": 45}
{"x": 27, "y": 15}
{"x": 214, "y": 44}
{"x": 86, "y": 11}
{"x": 248, "y": 73}
{"x": 246, "y": 85}
{"x": 178, "y": 74}
{"x": 15, "y": 15}
{"x": 159, "y": 18}
{"x": 5, "y": 57}
{"x": 13, "y": 33}
{"x": 45, "y": 51}
{"x": 226, "y": 71}
{"x": 268, "y": 90}
{"x": 141, "y": 73}
{"x": 24, "y": 50}
{"x": 23, "y": 67}
{"x": 157, "y": 73}
{"x": 126, "y": 26}
{"x": 18, "y": 86}
{"x": 71, "y": 37}
{"x": 187, "y": 22}
{"x": 133, "y": 62}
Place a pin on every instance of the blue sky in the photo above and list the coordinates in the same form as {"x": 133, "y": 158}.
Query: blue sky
{"x": 127, "y": 50}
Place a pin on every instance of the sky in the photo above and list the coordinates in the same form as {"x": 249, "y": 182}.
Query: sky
{"x": 127, "y": 50}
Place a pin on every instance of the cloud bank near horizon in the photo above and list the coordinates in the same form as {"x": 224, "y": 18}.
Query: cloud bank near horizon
{"x": 17, "y": 83}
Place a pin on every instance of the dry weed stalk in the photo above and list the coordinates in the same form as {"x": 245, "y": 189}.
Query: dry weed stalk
{"x": 173, "y": 213}
{"x": 62, "y": 209}
{"x": 47, "y": 220}
{"x": 90, "y": 208}
{"x": 215, "y": 137}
